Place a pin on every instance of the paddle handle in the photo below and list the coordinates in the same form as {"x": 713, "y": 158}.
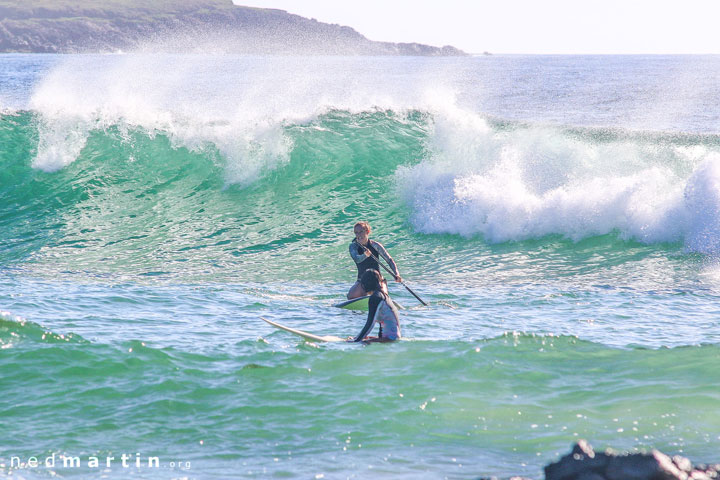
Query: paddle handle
{"x": 413, "y": 293}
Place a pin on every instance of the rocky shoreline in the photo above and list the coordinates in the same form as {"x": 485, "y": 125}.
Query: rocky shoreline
{"x": 583, "y": 463}
{"x": 195, "y": 26}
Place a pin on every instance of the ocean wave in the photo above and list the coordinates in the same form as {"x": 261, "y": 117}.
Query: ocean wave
{"x": 529, "y": 181}
{"x": 132, "y": 192}
{"x": 15, "y": 330}
{"x": 242, "y": 113}
{"x": 131, "y": 155}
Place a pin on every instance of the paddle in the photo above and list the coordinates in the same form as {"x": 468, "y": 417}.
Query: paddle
{"x": 391, "y": 273}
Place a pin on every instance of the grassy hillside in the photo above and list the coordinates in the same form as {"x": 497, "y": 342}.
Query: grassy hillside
{"x": 175, "y": 25}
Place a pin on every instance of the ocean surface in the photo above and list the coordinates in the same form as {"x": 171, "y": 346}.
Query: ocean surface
{"x": 560, "y": 214}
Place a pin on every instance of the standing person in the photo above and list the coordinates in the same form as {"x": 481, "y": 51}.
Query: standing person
{"x": 362, "y": 250}
{"x": 380, "y": 310}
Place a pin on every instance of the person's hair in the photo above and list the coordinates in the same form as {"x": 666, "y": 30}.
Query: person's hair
{"x": 363, "y": 224}
{"x": 371, "y": 280}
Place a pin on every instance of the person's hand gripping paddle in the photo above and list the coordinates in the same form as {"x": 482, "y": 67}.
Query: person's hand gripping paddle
{"x": 393, "y": 275}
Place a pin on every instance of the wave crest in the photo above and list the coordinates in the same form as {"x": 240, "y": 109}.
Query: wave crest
{"x": 521, "y": 182}
{"x": 15, "y": 330}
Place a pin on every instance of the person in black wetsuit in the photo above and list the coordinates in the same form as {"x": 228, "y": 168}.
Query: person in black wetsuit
{"x": 362, "y": 250}
{"x": 381, "y": 310}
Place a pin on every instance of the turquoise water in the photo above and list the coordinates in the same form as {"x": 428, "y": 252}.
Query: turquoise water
{"x": 561, "y": 215}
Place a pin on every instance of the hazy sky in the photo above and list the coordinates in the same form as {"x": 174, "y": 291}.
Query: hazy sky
{"x": 526, "y": 26}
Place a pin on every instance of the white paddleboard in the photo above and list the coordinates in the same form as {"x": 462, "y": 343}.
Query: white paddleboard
{"x": 305, "y": 335}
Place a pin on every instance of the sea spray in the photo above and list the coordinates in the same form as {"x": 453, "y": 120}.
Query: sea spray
{"x": 702, "y": 201}
{"x": 529, "y": 182}
{"x": 70, "y": 106}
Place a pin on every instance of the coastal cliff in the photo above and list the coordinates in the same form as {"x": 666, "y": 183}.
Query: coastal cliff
{"x": 84, "y": 26}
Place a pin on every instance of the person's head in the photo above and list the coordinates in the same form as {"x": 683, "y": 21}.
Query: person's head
{"x": 371, "y": 280}
{"x": 362, "y": 232}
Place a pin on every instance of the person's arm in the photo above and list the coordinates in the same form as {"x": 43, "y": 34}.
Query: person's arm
{"x": 384, "y": 254}
{"x": 373, "y": 303}
{"x": 355, "y": 252}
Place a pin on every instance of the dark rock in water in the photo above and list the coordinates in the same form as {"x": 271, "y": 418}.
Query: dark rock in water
{"x": 583, "y": 448}
{"x": 511, "y": 478}
{"x": 581, "y": 460}
{"x": 641, "y": 466}
{"x": 583, "y": 463}
{"x": 683, "y": 463}
{"x": 590, "y": 476}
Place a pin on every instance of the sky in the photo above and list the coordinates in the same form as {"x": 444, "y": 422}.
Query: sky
{"x": 526, "y": 26}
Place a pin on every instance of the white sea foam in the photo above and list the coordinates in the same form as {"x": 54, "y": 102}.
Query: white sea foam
{"x": 502, "y": 182}
{"x": 86, "y": 94}
{"x": 701, "y": 201}
{"x": 183, "y": 97}
{"x": 529, "y": 182}
{"x": 239, "y": 105}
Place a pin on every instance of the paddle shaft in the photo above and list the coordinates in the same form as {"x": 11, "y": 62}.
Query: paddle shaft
{"x": 393, "y": 274}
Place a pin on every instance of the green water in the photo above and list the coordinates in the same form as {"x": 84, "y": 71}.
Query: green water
{"x": 570, "y": 270}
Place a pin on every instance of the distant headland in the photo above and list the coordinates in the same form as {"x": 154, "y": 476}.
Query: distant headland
{"x": 198, "y": 26}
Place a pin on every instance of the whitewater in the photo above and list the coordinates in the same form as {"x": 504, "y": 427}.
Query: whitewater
{"x": 561, "y": 215}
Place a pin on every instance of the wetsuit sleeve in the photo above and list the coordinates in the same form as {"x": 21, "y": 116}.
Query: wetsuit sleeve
{"x": 384, "y": 254}
{"x": 355, "y": 254}
{"x": 373, "y": 303}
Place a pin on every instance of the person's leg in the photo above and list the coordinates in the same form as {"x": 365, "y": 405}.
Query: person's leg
{"x": 378, "y": 340}
{"x": 356, "y": 291}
